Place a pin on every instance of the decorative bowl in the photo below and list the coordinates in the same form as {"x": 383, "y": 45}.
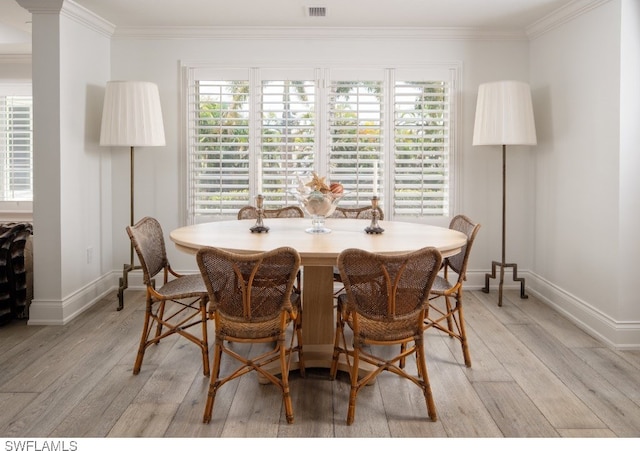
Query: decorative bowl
{"x": 318, "y": 205}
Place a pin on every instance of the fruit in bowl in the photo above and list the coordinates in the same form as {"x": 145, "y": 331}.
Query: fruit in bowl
{"x": 336, "y": 188}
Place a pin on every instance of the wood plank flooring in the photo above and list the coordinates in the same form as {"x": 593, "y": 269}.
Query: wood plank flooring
{"x": 534, "y": 374}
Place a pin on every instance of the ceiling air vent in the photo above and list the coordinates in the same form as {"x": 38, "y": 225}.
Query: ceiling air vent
{"x": 316, "y": 11}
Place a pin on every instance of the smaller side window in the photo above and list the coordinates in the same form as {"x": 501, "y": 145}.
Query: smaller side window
{"x": 16, "y": 148}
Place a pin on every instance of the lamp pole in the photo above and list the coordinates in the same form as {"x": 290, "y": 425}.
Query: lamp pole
{"x": 127, "y": 268}
{"x": 502, "y": 264}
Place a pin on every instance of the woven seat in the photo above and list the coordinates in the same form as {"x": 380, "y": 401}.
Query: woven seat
{"x": 365, "y": 212}
{"x": 441, "y": 314}
{"x": 384, "y": 303}
{"x": 253, "y": 302}
{"x": 251, "y": 212}
{"x": 186, "y": 295}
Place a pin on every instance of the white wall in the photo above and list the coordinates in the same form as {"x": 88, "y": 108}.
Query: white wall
{"x": 157, "y": 176}
{"x": 576, "y": 81}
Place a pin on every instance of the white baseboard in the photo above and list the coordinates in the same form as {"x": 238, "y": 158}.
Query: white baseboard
{"x": 56, "y": 312}
{"x": 621, "y": 335}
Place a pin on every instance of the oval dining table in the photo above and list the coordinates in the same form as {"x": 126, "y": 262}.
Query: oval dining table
{"x": 318, "y": 253}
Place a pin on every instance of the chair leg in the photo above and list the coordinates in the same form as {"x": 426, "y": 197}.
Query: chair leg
{"x": 160, "y": 315}
{"x": 205, "y": 337}
{"x": 284, "y": 370}
{"x": 213, "y": 384}
{"x": 351, "y": 413}
{"x": 336, "y": 346}
{"x": 146, "y": 330}
{"x": 299, "y": 347}
{"x": 426, "y": 387}
{"x": 449, "y": 312}
{"x": 463, "y": 333}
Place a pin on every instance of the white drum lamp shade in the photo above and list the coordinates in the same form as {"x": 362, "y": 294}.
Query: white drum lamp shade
{"x": 132, "y": 115}
{"x": 504, "y": 115}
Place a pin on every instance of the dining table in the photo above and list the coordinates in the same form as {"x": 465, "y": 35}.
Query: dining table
{"x": 318, "y": 254}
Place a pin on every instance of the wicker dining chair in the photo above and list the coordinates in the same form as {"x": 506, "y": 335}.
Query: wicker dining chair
{"x": 365, "y": 212}
{"x": 251, "y": 212}
{"x": 253, "y": 301}
{"x": 291, "y": 211}
{"x": 449, "y": 284}
{"x": 384, "y": 303}
{"x": 178, "y": 305}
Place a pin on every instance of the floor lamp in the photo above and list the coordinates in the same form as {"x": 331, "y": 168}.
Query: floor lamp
{"x": 131, "y": 117}
{"x": 504, "y": 116}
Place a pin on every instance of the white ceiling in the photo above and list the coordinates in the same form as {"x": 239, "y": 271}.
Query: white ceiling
{"x": 508, "y": 15}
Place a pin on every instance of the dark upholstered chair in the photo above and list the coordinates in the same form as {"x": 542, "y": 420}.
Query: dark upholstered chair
{"x": 253, "y": 301}
{"x": 384, "y": 303}
{"x": 179, "y": 305}
{"x": 14, "y": 301}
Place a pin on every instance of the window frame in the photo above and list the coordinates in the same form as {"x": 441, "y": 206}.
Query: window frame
{"x": 323, "y": 75}
{"x": 18, "y": 209}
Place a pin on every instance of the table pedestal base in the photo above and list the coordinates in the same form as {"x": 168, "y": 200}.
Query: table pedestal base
{"x": 317, "y": 356}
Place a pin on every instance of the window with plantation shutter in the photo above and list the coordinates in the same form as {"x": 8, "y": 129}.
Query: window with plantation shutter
{"x": 421, "y": 148}
{"x": 382, "y": 131}
{"x": 287, "y": 137}
{"x": 218, "y": 166}
{"x": 16, "y": 132}
{"x": 356, "y": 138}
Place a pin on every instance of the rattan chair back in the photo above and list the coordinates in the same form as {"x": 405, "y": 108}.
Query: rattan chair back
{"x": 251, "y": 212}
{"x": 458, "y": 262}
{"x": 249, "y": 289}
{"x": 351, "y": 213}
{"x": 356, "y": 213}
{"x": 148, "y": 241}
{"x": 386, "y": 294}
{"x": 253, "y": 300}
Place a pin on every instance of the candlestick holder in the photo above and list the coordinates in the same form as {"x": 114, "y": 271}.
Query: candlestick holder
{"x": 374, "y": 227}
{"x": 259, "y": 226}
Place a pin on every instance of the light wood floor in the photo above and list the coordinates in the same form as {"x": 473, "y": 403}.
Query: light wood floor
{"x": 534, "y": 374}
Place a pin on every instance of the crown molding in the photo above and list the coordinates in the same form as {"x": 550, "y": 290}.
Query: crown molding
{"x": 41, "y": 6}
{"x": 86, "y": 18}
{"x": 366, "y": 33}
{"x": 561, "y": 16}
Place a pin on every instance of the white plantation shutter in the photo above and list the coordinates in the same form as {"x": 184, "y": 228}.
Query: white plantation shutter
{"x": 219, "y": 141}
{"x": 16, "y": 148}
{"x": 421, "y": 148}
{"x": 287, "y": 137}
{"x": 356, "y": 137}
{"x": 384, "y": 131}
